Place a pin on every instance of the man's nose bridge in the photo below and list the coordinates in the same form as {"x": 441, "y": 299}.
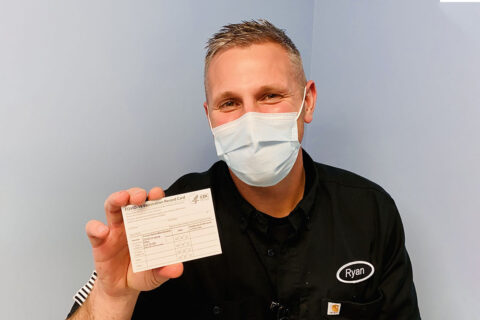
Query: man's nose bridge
{"x": 250, "y": 105}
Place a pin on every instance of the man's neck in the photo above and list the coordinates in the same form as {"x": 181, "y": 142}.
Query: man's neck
{"x": 278, "y": 200}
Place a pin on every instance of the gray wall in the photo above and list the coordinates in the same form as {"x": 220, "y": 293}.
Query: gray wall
{"x": 100, "y": 96}
{"x": 97, "y": 96}
{"x": 399, "y": 102}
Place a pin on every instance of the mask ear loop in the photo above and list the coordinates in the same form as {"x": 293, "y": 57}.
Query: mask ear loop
{"x": 303, "y": 102}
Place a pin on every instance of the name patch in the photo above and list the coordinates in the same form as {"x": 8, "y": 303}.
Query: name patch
{"x": 356, "y": 271}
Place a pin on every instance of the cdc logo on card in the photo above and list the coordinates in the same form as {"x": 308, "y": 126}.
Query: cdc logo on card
{"x": 200, "y": 197}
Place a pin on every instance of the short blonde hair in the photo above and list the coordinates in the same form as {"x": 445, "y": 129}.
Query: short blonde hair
{"x": 252, "y": 32}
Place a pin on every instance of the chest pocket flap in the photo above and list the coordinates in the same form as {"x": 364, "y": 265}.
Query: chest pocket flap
{"x": 344, "y": 310}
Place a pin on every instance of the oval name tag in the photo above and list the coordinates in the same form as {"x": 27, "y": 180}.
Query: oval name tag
{"x": 355, "y": 271}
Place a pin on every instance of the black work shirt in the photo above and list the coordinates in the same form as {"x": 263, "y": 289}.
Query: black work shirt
{"x": 340, "y": 250}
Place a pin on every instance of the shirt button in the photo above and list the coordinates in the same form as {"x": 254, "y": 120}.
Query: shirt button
{"x": 217, "y": 310}
{"x": 270, "y": 252}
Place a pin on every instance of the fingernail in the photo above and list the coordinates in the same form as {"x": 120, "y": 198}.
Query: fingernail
{"x": 102, "y": 229}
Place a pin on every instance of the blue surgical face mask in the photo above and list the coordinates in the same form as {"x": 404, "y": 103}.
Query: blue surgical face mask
{"x": 260, "y": 148}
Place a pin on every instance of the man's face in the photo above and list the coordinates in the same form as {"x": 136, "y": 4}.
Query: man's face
{"x": 257, "y": 78}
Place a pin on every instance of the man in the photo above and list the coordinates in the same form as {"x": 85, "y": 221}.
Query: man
{"x": 300, "y": 240}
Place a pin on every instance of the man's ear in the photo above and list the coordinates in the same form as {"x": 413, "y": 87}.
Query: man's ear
{"x": 205, "y": 106}
{"x": 310, "y": 101}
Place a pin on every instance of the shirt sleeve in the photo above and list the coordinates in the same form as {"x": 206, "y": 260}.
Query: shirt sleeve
{"x": 82, "y": 294}
{"x": 400, "y": 298}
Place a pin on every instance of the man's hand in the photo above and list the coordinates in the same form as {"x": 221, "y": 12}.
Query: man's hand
{"x": 116, "y": 281}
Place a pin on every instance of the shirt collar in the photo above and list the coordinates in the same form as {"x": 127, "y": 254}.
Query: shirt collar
{"x": 249, "y": 215}
{"x": 311, "y": 185}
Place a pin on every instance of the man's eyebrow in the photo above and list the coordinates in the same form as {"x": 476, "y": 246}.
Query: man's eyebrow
{"x": 224, "y": 95}
{"x": 265, "y": 88}
{"x": 273, "y": 88}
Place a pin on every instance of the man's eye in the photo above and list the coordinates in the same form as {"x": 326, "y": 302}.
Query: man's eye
{"x": 227, "y": 104}
{"x": 271, "y": 96}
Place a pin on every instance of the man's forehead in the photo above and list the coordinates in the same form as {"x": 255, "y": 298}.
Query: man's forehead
{"x": 263, "y": 64}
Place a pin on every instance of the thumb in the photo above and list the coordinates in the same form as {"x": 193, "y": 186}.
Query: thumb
{"x": 168, "y": 272}
{"x": 97, "y": 232}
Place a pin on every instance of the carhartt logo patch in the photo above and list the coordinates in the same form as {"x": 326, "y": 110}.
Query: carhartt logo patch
{"x": 333, "y": 309}
{"x": 355, "y": 271}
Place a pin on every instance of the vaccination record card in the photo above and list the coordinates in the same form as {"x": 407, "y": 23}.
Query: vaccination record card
{"x": 171, "y": 230}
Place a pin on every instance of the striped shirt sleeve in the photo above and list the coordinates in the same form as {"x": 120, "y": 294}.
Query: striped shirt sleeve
{"x": 84, "y": 291}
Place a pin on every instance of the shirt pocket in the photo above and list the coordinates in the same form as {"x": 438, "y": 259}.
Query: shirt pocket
{"x": 346, "y": 310}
